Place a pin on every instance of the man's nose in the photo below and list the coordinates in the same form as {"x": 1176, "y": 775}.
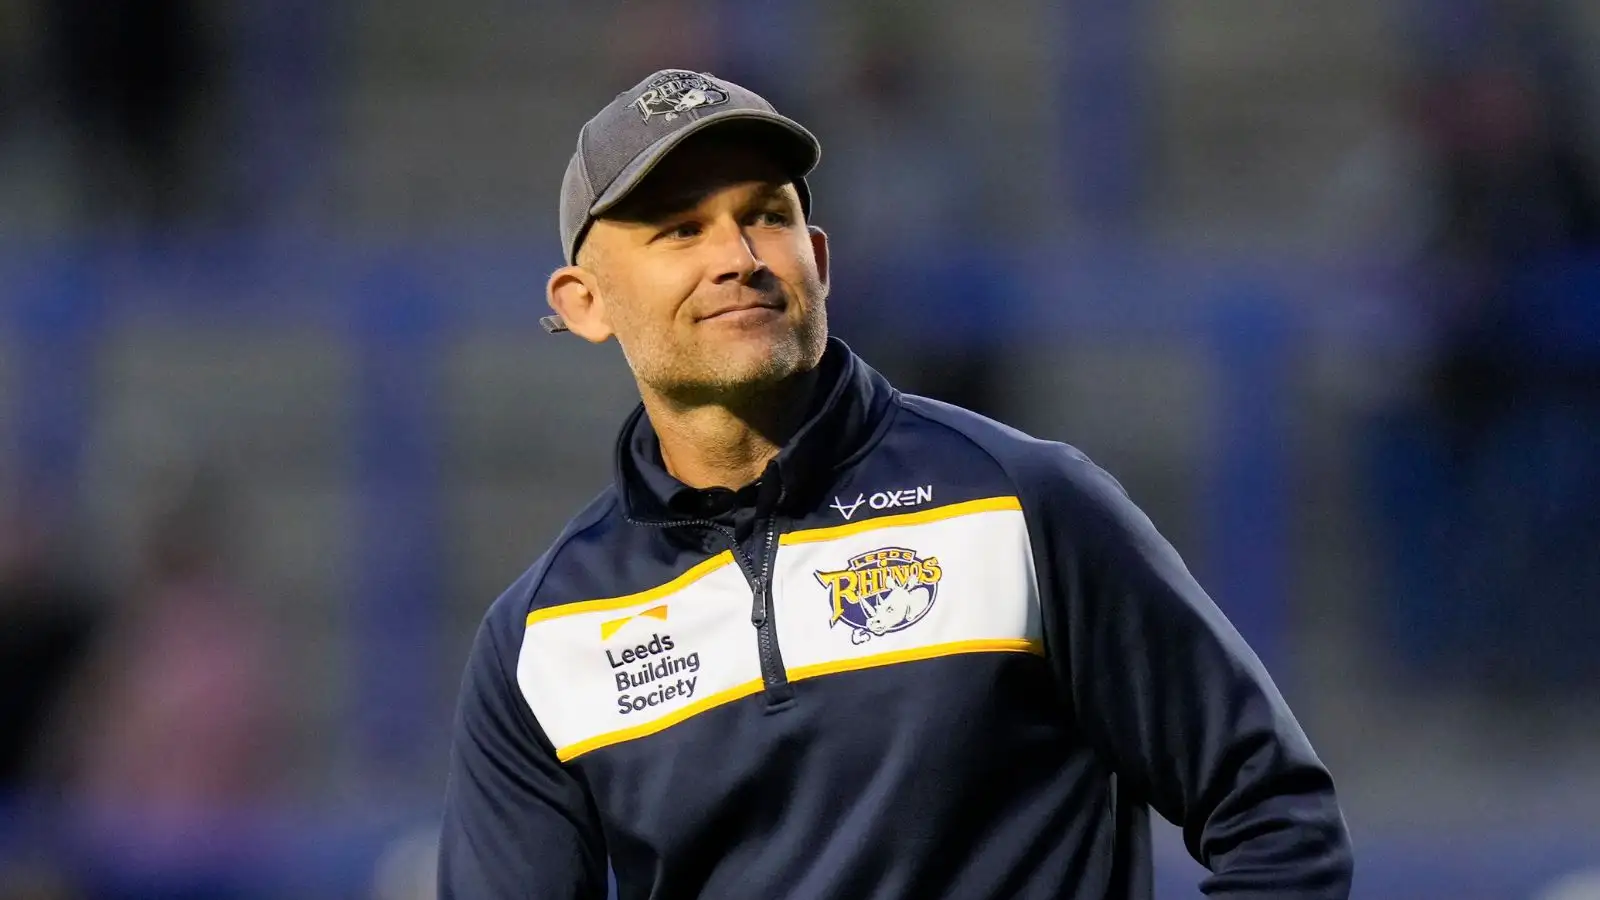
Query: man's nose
{"x": 737, "y": 259}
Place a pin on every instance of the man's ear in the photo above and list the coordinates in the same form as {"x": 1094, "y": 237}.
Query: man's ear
{"x": 574, "y": 293}
{"x": 819, "y": 247}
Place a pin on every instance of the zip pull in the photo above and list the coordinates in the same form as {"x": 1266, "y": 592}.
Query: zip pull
{"x": 769, "y": 497}
{"x": 760, "y": 593}
{"x": 758, "y": 609}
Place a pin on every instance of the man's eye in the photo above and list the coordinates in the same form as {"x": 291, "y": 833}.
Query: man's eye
{"x": 772, "y": 218}
{"x": 682, "y": 231}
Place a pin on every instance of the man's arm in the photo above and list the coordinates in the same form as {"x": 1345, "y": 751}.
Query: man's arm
{"x": 517, "y": 824}
{"x": 1177, "y": 701}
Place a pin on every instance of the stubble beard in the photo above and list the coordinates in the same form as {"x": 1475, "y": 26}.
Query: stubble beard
{"x": 700, "y": 373}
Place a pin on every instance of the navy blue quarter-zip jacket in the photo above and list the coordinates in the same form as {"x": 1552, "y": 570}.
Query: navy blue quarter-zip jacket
{"x": 924, "y": 656}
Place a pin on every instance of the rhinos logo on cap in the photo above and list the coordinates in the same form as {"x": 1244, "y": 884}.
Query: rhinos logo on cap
{"x": 882, "y": 591}
{"x": 678, "y": 92}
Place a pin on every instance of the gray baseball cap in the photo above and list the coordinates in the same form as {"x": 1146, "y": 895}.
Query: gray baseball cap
{"x": 624, "y": 142}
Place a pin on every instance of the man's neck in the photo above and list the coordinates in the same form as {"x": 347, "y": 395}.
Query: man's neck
{"x": 729, "y": 444}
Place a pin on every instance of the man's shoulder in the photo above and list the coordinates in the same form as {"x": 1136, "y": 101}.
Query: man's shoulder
{"x": 1033, "y": 464}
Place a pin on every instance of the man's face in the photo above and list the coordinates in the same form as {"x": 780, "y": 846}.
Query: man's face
{"x": 708, "y": 276}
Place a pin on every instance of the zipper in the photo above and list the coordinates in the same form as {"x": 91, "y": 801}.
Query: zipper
{"x": 774, "y": 678}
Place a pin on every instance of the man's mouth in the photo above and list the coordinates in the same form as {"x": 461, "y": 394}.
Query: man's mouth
{"x": 750, "y": 308}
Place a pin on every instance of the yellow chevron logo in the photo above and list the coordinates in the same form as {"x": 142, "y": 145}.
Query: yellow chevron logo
{"x": 607, "y": 629}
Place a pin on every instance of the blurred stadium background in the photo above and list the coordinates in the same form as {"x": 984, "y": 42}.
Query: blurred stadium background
{"x": 1319, "y": 282}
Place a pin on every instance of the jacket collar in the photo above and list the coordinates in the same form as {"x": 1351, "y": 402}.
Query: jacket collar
{"x": 850, "y": 408}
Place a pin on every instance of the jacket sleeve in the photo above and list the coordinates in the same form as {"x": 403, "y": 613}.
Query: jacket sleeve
{"x": 517, "y": 824}
{"x": 1175, "y": 700}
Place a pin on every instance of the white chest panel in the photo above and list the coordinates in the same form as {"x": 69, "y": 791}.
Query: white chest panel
{"x": 950, "y": 580}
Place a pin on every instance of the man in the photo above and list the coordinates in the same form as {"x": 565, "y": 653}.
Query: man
{"x": 822, "y": 639}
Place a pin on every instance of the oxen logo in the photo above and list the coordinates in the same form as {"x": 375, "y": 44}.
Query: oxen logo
{"x": 882, "y": 591}
{"x": 885, "y": 500}
{"x": 678, "y": 92}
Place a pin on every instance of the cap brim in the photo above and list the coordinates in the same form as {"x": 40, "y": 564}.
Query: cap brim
{"x": 799, "y": 147}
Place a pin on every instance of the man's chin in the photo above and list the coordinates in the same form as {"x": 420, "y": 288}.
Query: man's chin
{"x": 731, "y": 374}
{"x": 737, "y": 374}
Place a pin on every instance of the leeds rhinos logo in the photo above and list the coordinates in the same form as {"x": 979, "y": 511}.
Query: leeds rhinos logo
{"x": 678, "y": 92}
{"x": 882, "y": 591}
